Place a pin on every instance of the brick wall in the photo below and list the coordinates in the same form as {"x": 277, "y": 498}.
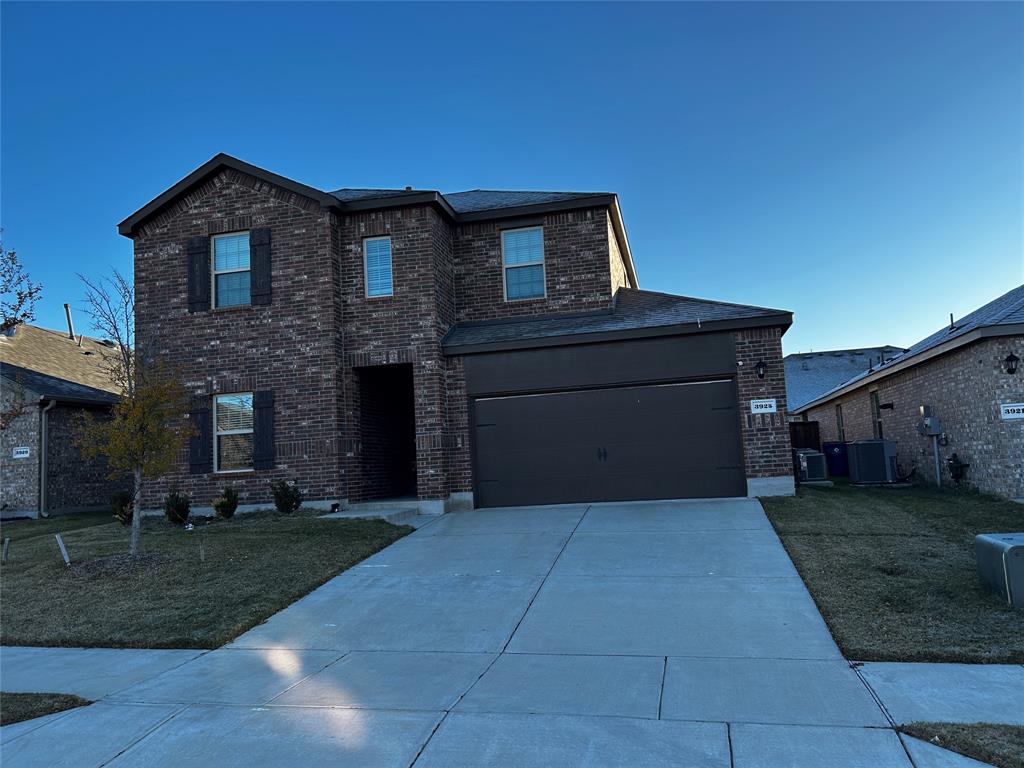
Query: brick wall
{"x": 617, "y": 266}
{"x": 965, "y": 389}
{"x": 766, "y": 447}
{"x": 19, "y": 478}
{"x": 289, "y": 347}
{"x": 576, "y": 267}
{"x": 405, "y": 327}
{"x": 74, "y": 482}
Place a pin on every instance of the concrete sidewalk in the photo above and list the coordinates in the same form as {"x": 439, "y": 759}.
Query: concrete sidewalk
{"x": 655, "y": 634}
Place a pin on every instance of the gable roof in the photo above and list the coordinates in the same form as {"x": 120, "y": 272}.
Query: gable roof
{"x": 634, "y": 314}
{"x": 811, "y": 374}
{"x": 1001, "y": 317}
{"x": 54, "y": 355}
{"x": 459, "y": 207}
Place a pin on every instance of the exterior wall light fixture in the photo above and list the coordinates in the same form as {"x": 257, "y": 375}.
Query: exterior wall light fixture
{"x": 1010, "y": 363}
{"x": 760, "y": 368}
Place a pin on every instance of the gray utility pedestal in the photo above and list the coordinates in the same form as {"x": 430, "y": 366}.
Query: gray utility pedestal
{"x": 1001, "y": 564}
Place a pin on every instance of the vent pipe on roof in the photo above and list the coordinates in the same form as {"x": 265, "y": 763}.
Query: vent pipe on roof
{"x": 71, "y": 325}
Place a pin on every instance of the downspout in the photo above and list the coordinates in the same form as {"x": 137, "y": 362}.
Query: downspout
{"x": 43, "y": 421}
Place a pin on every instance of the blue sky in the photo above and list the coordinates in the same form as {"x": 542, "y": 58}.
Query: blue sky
{"x": 859, "y": 164}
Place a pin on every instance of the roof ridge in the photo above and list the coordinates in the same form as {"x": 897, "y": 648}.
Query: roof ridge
{"x": 705, "y": 301}
{"x": 584, "y": 193}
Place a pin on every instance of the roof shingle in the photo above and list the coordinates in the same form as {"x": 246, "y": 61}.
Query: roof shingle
{"x": 54, "y": 354}
{"x": 633, "y": 310}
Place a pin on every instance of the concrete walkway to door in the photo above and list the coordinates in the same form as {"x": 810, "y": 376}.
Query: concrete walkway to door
{"x": 653, "y": 634}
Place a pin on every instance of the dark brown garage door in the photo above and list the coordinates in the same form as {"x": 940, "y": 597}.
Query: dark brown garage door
{"x": 664, "y": 441}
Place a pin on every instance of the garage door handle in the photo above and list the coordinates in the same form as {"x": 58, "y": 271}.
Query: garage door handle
{"x": 602, "y": 454}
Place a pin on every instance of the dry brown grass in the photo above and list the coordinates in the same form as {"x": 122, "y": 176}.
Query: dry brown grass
{"x": 1000, "y": 745}
{"x": 893, "y": 571}
{"x": 15, "y": 707}
{"x": 195, "y": 589}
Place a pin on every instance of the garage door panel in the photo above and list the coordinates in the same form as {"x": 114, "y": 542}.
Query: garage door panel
{"x": 659, "y": 441}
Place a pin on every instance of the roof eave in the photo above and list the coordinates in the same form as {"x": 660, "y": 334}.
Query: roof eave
{"x": 619, "y": 225}
{"x": 72, "y": 400}
{"x": 493, "y": 214}
{"x": 978, "y": 334}
{"x": 400, "y": 201}
{"x": 783, "y": 320}
{"x": 208, "y": 169}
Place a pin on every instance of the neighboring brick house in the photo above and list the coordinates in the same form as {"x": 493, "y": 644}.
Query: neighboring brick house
{"x": 963, "y": 373}
{"x": 809, "y": 375}
{"x": 49, "y": 379}
{"x": 468, "y": 349}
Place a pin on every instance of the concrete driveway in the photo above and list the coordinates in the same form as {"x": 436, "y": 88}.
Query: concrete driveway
{"x": 647, "y": 634}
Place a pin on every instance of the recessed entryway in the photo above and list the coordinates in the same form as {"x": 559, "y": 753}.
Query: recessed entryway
{"x": 387, "y": 432}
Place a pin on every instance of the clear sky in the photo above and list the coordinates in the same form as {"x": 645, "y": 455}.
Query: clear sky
{"x": 859, "y": 164}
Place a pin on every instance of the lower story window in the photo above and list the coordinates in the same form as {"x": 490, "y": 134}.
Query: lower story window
{"x": 233, "y": 432}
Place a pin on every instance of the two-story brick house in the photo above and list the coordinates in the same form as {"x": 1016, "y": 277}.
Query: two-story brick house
{"x": 471, "y": 349}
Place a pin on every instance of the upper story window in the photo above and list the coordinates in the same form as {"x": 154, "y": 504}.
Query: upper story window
{"x": 233, "y": 432}
{"x": 231, "y": 280}
{"x": 377, "y": 256}
{"x": 522, "y": 254}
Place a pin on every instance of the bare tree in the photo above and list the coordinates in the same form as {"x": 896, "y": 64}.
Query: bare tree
{"x": 146, "y": 429}
{"x": 18, "y": 294}
{"x": 18, "y": 297}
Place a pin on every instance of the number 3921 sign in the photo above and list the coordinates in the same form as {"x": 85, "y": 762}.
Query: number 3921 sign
{"x": 1011, "y": 411}
{"x": 763, "y": 406}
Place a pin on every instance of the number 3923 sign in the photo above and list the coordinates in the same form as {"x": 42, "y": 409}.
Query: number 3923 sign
{"x": 763, "y": 406}
{"x": 1011, "y": 411}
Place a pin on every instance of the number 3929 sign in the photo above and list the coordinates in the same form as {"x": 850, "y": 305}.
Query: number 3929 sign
{"x": 1011, "y": 411}
{"x": 763, "y": 406}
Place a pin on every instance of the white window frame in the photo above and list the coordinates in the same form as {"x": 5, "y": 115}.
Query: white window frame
{"x": 366, "y": 280}
{"x": 505, "y": 267}
{"x": 217, "y": 433}
{"x": 214, "y": 271}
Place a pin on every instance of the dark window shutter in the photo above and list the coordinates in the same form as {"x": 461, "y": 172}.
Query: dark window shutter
{"x": 263, "y": 426}
{"x": 198, "y": 274}
{"x": 200, "y": 445}
{"x": 259, "y": 265}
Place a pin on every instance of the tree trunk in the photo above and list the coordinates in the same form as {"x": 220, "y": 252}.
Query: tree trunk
{"x": 135, "y": 549}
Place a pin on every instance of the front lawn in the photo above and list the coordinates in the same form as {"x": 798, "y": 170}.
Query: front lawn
{"x": 893, "y": 571}
{"x": 15, "y": 707}
{"x": 192, "y": 589}
{"x": 998, "y": 745}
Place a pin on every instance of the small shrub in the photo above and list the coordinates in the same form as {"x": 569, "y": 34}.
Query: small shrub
{"x": 287, "y": 496}
{"x": 226, "y": 504}
{"x": 177, "y": 506}
{"x": 121, "y": 506}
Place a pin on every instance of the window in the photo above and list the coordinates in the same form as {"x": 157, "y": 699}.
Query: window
{"x": 231, "y": 280}
{"x": 876, "y": 415}
{"x": 522, "y": 253}
{"x": 233, "y": 432}
{"x": 839, "y": 423}
{"x": 377, "y": 251}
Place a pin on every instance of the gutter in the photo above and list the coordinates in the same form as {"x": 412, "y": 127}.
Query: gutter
{"x": 978, "y": 334}
{"x": 43, "y": 468}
